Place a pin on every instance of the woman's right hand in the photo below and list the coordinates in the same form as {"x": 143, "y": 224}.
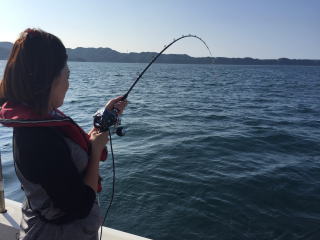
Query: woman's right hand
{"x": 117, "y": 103}
{"x": 98, "y": 140}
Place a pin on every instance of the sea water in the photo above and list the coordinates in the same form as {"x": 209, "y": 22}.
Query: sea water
{"x": 211, "y": 152}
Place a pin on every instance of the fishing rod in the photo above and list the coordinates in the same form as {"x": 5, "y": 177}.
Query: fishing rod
{"x": 158, "y": 55}
{"x": 103, "y": 119}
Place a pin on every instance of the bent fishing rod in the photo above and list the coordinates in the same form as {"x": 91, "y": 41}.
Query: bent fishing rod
{"x": 158, "y": 55}
{"x": 104, "y": 119}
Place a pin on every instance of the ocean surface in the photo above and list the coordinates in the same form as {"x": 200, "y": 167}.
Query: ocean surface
{"x": 211, "y": 152}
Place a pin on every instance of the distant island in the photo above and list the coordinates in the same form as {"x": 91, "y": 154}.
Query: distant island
{"x": 81, "y": 54}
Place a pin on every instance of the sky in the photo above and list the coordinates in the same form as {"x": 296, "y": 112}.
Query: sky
{"x": 231, "y": 28}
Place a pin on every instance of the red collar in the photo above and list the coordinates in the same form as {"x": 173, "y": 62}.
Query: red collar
{"x": 18, "y": 115}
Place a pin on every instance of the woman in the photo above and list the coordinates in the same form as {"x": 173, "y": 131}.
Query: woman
{"x": 55, "y": 160}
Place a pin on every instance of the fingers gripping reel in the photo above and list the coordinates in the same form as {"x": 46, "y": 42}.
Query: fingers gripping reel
{"x": 104, "y": 119}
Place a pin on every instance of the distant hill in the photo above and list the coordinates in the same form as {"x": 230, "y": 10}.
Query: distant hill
{"x": 7, "y": 45}
{"x": 81, "y": 54}
{"x": 5, "y": 48}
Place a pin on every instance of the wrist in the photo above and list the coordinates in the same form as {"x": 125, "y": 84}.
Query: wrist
{"x": 95, "y": 155}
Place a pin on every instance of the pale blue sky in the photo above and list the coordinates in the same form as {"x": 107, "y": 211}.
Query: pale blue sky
{"x": 231, "y": 28}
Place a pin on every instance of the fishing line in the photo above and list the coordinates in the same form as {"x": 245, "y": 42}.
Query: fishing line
{"x": 105, "y": 118}
{"x": 113, "y": 183}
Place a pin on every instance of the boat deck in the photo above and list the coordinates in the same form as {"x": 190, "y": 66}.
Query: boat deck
{"x": 9, "y": 225}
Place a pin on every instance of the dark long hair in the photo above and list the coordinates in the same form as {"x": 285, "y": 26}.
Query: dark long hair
{"x": 36, "y": 59}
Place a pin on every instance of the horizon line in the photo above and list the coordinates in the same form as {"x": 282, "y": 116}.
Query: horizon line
{"x": 128, "y": 52}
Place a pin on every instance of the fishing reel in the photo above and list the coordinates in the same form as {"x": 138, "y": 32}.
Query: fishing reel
{"x": 104, "y": 119}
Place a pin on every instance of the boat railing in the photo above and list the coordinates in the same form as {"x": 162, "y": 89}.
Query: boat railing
{"x": 2, "y": 202}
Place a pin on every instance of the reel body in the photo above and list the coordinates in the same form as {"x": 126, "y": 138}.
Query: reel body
{"x": 104, "y": 119}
